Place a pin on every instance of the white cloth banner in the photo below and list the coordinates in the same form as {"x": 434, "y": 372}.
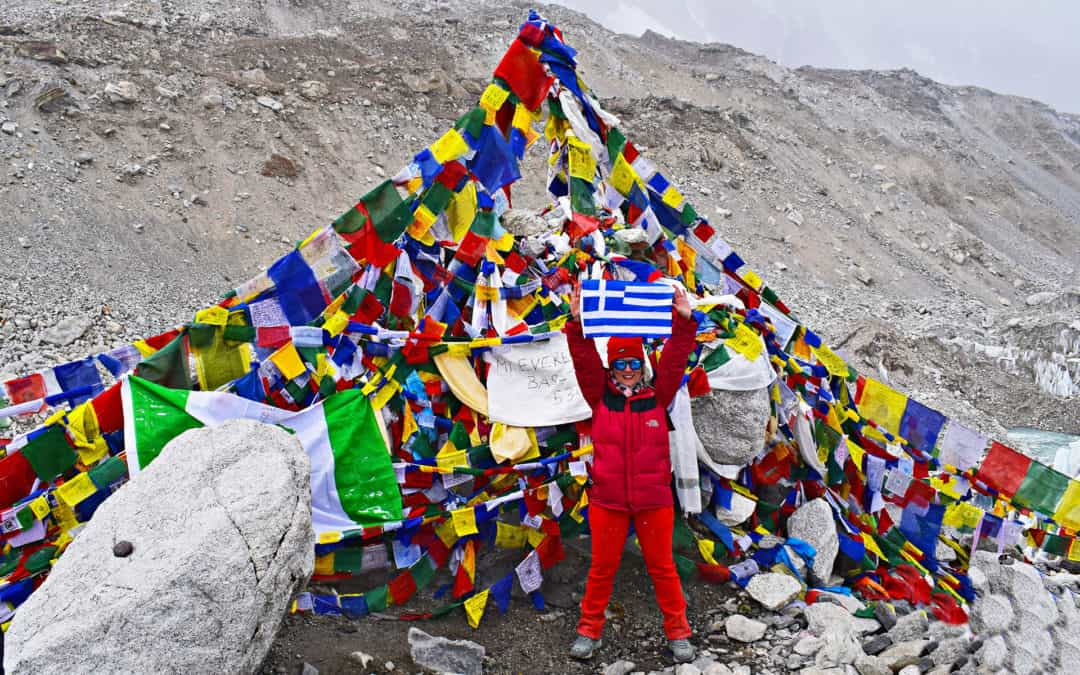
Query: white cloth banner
{"x": 741, "y": 374}
{"x": 533, "y": 385}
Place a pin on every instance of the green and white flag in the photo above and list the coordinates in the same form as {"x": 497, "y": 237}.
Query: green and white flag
{"x": 353, "y": 483}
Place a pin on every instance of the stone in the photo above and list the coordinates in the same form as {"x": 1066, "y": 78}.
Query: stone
{"x": 308, "y": 669}
{"x": 716, "y": 669}
{"x": 524, "y": 223}
{"x": 271, "y": 103}
{"x": 67, "y": 330}
{"x": 864, "y": 277}
{"x": 950, "y": 651}
{"x": 123, "y": 549}
{"x": 729, "y": 423}
{"x": 39, "y": 50}
{"x": 741, "y": 509}
{"x": 877, "y": 644}
{"x": 621, "y": 667}
{"x": 280, "y": 166}
{"x": 794, "y": 216}
{"x": 361, "y": 658}
{"x": 236, "y": 501}
{"x": 314, "y": 90}
{"x": 885, "y": 614}
{"x": 1025, "y": 583}
{"x": 687, "y": 669}
{"x": 991, "y": 614}
{"x": 1042, "y": 298}
{"x": 211, "y": 101}
{"x": 820, "y": 616}
{"x": 443, "y": 655}
{"x": 123, "y": 92}
{"x": 9, "y": 127}
{"x": 84, "y": 158}
{"x": 839, "y": 648}
{"x": 813, "y": 523}
{"x": 23, "y": 242}
{"x": 910, "y": 627}
{"x": 774, "y": 590}
{"x": 53, "y": 97}
{"x": 871, "y": 665}
{"x": 740, "y": 628}
{"x": 808, "y": 646}
{"x": 910, "y": 670}
{"x": 902, "y": 654}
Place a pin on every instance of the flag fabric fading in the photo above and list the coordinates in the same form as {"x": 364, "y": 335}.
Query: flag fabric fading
{"x": 626, "y": 308}
{"x": 352, "y": 478}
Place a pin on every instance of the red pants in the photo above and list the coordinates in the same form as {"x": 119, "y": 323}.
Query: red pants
{"x": 609, "y": 530}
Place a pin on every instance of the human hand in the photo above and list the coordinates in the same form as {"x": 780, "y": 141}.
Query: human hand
{"x": 575, "y": 301}
{"x": 681, "y": 305}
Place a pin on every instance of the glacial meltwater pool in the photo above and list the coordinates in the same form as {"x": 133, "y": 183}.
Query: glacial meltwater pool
{"x": 1062, "y": 451}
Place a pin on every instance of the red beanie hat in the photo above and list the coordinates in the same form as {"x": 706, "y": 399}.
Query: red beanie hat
{"x": 624, "y": 348}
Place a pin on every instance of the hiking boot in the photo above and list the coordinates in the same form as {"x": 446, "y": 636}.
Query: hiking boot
{"x": 584, "y": 648}
{"x": 683, "y": 651}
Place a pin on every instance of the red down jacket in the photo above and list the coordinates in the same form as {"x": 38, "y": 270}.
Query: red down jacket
{"x": 631, "y": 455}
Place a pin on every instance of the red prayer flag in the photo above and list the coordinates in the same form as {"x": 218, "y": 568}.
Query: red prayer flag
{"x": 1003, "y": 469}
{"x": 521, "y": 69}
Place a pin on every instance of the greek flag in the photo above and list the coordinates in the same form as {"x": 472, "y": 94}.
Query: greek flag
{"x": 625, "y": 308}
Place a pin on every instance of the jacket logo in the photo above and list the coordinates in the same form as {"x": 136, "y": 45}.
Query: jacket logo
{"x": 652, "y": 424}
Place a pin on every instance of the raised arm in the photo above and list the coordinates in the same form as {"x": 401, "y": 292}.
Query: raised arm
{"x": 676, "y": 352}
{"x": 588, "y": 368}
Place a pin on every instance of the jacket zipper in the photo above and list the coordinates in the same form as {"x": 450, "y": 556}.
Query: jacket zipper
{"x": 630, "y": 450}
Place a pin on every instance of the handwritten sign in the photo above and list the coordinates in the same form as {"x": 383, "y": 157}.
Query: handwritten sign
{"x": 533, "y": 385}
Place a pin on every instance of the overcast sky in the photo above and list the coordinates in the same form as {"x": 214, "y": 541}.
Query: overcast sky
{"x": 1025, "y": 47}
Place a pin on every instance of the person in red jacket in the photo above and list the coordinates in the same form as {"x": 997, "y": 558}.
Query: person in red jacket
{"x": 631, "y": 470}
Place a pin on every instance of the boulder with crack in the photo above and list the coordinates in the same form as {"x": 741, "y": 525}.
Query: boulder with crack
{"x": 189, "y": 567}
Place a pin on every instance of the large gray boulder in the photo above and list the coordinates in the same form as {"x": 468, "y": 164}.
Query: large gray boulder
{"x": 731, "y": 424}
{"x": 220, "y": 528}
{"x": 813, "y": 523}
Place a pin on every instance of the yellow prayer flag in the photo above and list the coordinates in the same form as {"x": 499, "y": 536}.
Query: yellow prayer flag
{"x": 423, "y": 219}
{"x": 582, "y": 162}
{"x": 337, "y": 323}
{"x": 214, "y": 316}
{"x": 752, "y": 279}
{"x": 448, "y": 459}
{"x": 64, "y": 516}
{"x": 509, "y": 536}
{"x": 384, "y": 394}
{"x": 40, "y": 507}
{"x": 445, "y": 532}
{"x": 856, "y": 452}
{"x": 409, "y": 425}
{"x": 493, "y": 97}
{"x": 622, "y": 175}
{"x": 450, "y": 146}
{"x": 871, "y": 545}
{"x": 535, "y": 537}
{"x": 1074, "y": 550}
{"x": 833, "y": 363}
{"x": 77, "y": 489}
{"x": 706, "y": 547}
{"x": 672, "y": 197}
{"x": 882, "y": 404}
{"x": 464, "y": 521}
{"x": 1068, "y": 510}
{"x": 324, "y": 564}
{"x": 288, "y": 361}
{"x": 746, "y": 342}
{"x": 486, "y": 292}
{"x": 329, "y": 537}
{"x": 474, "y": 607}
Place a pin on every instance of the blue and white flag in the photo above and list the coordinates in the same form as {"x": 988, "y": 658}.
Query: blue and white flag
{"x": 626, "y": 308}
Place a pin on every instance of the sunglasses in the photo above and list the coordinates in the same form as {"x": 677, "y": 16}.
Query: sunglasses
{"x": 623, "y": 364}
